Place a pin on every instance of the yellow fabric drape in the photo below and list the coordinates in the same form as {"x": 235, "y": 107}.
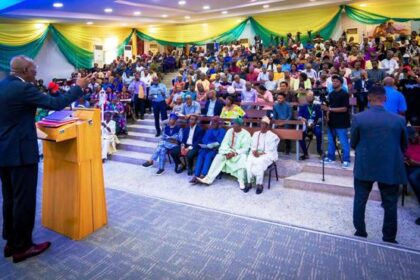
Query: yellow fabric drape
{"x": 301, "y": 20}
{"x": 17, "y": 34}
{"x": 391, "y": 9}
{"x": 181, "y": 33}
{"x": 86, "y": 37}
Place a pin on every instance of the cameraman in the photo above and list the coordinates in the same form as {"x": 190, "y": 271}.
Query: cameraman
{"x": 338, "y": 117}
{"x": 311, "y": 114}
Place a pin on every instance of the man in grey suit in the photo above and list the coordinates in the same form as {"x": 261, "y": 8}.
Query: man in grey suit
{"x": 380, "y": 139}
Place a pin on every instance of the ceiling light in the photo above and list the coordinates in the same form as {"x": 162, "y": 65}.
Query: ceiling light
{"x": 89, "y": 22}
{"x": 266, "y": 6}
{"x": 224, "y": 12}
{"x": 108, "y": 10}
{"x": 58, "y": 5}
{"x": 39, "y": 25}
{"x": 182, "y": 2}
{"x": 165, "y": 16}
{"x": 363, "y": 5}
{"x": 187, "y": 17}
{"x": 206, "y": 7}
{"x": 137, "y": 13}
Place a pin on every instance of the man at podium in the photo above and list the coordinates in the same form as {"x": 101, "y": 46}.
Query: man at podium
{"x": 19, "y": 99}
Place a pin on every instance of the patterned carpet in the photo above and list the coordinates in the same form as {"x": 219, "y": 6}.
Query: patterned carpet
{"x": 149, "y": 238}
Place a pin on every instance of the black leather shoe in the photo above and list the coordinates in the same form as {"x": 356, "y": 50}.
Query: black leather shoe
{"x": 361, "y": 234}
{"x": 390, "y": 241}
{"x": 259, "y": 190}
{"x": 247, "y": 188}
{"x": 32, "y": 251}
{"x": 8, "y": 251}
{"x": 417, "y": 221}
{"x": 157, "y": 134}
{"x": 190, "y": 172}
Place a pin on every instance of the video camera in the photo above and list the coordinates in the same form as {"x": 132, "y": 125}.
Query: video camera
{"x": 321, "y": 93}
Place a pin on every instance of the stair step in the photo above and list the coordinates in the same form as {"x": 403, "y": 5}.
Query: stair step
{"x": 130, "y": 157}
{"x": 137, "y": 146}
{"x": 149, "y": 137}
{"x": 143, "y": 129}
{"x": 146, "y": 121}
{"x": 336, "y": 185}
{"x": 330, "y": 169}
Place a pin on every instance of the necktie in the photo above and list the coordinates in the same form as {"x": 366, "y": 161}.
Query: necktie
{"x": 141, "y": 92}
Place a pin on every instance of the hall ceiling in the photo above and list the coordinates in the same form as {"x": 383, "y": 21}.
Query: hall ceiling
{"x": 134, "y": 13}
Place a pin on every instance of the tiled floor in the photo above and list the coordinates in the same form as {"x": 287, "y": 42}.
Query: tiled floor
{"x": 149, "y": 238}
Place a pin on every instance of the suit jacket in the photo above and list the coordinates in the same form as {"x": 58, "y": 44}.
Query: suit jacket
{"x": 197, "y": 137}
{"x": 380, "y": 139}
{"x": 218, "y": 107}
{"x": 18, "y": 104}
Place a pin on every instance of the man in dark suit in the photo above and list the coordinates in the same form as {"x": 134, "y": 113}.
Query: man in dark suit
{"x": 19, "y": 99}
{"x": 380, "y": 139}
{"x": 191, "y": 137}
{"x": 213, "y": 106}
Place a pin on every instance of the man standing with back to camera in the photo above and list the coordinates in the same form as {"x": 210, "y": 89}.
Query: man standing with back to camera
{"x": 380, "y": 139}
{"x": 19, "y": 99}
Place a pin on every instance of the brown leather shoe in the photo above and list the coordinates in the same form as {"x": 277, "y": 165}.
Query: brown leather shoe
{"x": 32, "y": 251}
{"x": 8, "y": 251}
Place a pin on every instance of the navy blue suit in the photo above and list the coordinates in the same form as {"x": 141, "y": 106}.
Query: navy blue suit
{"x": 218, "y": 107}
{"x": 197, "y": 137}
{"x": 312, "y": 113}
{"x": 380, "y": 139}
{"x": 19, "y": 154}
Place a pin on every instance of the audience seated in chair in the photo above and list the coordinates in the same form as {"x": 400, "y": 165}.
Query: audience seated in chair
{"x": 263, "y": 154}
{"x": 232, "y": 155}
{"x": 109, "y": 138}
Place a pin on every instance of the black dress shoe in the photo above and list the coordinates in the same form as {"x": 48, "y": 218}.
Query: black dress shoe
{"x": 417, "y": 221}
{"x": 190, "y": 172}
{"x": 259, "y": 189}
{"x": 390, "y": 241}
{"x": 361, "y": 234}
{"x": 8, "y": 251}
{"x": 157, "y": 134}
{"x": 32, "y": 251}
{"x": 247, "y": 188}
{"x": 179, "y": 169}
{"x": 303, "y": 157}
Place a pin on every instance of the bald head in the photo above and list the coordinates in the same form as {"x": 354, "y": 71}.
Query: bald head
{"x": 23, "y": 67}
{"x": 389, "y": 81}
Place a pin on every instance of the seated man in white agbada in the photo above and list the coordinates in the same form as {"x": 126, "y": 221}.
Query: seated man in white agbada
{"x": 109, "y": 138}
{"x": 263, "y": 154}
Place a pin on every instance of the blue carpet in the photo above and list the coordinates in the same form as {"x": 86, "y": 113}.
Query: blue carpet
{"x": 148, "y": 238}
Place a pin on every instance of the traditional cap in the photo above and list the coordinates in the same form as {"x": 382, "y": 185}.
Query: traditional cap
{"x": 53, "y": 87}
{"x": 173, "y": 116}
{"x": 238, "y": 120}
{"x": 266, "y": 120}
{"x": 231, "y": 90}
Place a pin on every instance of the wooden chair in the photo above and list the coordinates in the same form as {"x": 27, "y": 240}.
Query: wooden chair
{"x": 255, "y": 114}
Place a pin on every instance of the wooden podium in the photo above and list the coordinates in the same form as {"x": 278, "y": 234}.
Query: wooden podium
{"x": 73, "y": 196}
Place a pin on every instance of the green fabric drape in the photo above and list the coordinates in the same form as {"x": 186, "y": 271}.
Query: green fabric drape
{"x": 31, "y": 50}
{"x": 227, "y": 36}
{"x": 266, "y": 35}
{"x": 120, "y": 49}
{"x": 75, "y": 55}
{"x": 370, "y": 18}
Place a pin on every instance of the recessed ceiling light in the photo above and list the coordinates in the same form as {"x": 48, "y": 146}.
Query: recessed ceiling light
{"x": 206, "y": 7}
{"x": 363, "y": 5}
{"x": 182, "y": 2}
{"x": 58, "y": 5}
{"x": 108, "y": 10}
{"x": 137, "y": 13}
{"x": 39, "y": 25}
{"x": 89, "y": 22}
{"x": 224, "y": 12}
{"x": 187, "y": 17}
{"x": 266, "y": 6}
{"x": 124, "y": 24}
{"x": 165, "y": 16}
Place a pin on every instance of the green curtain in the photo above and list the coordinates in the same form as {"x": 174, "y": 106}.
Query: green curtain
{"x": 227, "y": 36}
{"x": 266, "y": 35}
{"x": 31, "y": 50}
{"x": 120, "y": 49}
{"x": 371, "y": 18}
{"x": 75, "y": 55}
